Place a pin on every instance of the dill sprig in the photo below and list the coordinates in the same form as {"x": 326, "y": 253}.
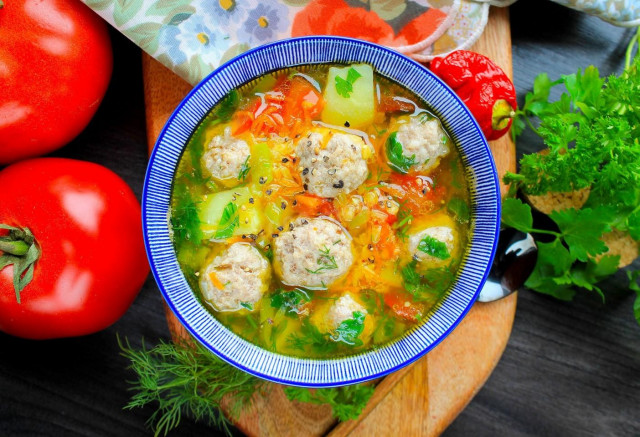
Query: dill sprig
{"x": 325, "y": 260}
{"x": 187, "y": 379}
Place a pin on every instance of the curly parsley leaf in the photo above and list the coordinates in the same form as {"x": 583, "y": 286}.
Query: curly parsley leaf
{"x": 397, "y": 160}
{"x": 434, "y": 247}
{"x": 344, "y": 87}
{"x": 228, "y": 222}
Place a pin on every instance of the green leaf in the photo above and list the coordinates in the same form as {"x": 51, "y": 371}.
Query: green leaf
{"x": 227, "y": 106}
{"x": 290, "y": 301}
{"x": 517, "y": 214}
{"x": 397, "y": 160}
{"x": 125, "y": 10}
{"x": 551, "y": 272}
{"x": 347, "y": 402}
{"x": 349, "y": 330}
{"x": 633, "y": 225}
{"x": 582, "y": 230}
{"x": 458, "y": 207}
{"x": 247, "y": 305}
{"x": 185, "y": 222}
{"x": 228, "y": 222}
{"x": 433, "y": 247}
{"x": 633, "y": 285}
{"x": 344, "y": 87}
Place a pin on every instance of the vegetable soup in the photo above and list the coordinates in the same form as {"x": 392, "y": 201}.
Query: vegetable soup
{"x": 320, "y": 211}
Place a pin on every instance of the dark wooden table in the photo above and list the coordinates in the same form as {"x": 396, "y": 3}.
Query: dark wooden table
{"x": 569, "y": 369}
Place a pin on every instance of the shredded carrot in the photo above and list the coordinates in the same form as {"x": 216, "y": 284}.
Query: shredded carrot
{"x": 216, "y": 282}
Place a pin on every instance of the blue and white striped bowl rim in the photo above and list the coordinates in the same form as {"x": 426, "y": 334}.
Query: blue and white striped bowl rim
{"x": 485, "y": 202}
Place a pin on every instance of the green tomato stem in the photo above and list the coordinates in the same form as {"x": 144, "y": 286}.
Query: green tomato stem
{"x": 20, "y": 250}
{"x": 17, "y": 248}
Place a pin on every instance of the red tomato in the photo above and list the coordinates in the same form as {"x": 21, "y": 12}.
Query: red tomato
{"x": 55, "y": 66}
{"x": 86, "y": 222}
{"x": 403, "y": 306}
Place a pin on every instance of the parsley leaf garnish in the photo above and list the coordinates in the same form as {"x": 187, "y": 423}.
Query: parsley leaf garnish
{"x": 349, "y": 330}
{"x": 397, "y": 160}
{"x": 433, "y": 247}
{"x": 344, "y": 87}
{"x": 460, "y": 209}
{"x": 290, "y": 301}
{"x": 228, "y": 222}
{"x": 247, "y": 306}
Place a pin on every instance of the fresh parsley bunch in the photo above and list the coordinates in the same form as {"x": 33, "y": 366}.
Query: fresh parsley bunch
{"x": 593, "y": 137}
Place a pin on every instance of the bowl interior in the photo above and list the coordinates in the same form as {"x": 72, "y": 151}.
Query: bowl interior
{"x": 484, "y": 197}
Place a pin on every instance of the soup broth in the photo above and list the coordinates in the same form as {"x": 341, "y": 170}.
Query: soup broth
{"x": 320, "y": 211}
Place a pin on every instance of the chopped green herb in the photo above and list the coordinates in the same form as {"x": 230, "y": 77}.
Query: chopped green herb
{"x": 228, "y": 222}
{"x": 349, "y": 330}
{"x": 290, "y": 301}
{"x": 403, "y": 223}
{"x": 347, "y": 402}
{"x": 310, "y": 336}
{"x": 433, "y": 247}
{"x": 325, "y": 260}
{"x": 397, "y": 160}
{"x": 460, "y": 209}
{"x": 344, "y": 87}
{"x": 247, "y": 306}
{"x": 244, "y": 169}
{"x": 184, "y": 219}
{"x": 431, "y": 284}
{"x": 227, "y": 106}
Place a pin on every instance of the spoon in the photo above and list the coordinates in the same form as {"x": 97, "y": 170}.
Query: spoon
{"x": 515, "y": 258}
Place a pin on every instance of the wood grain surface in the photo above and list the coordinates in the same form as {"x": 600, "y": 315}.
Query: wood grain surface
{"x": 434, "y": 389}
{"x": 570, "y": 368}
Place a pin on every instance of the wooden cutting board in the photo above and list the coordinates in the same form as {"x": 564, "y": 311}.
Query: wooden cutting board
{"x": 421, "y": 399}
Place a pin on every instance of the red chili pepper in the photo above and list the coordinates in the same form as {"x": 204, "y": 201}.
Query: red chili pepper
{"x": 483, "y": 87}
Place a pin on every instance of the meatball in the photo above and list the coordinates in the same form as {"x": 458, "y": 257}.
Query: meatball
{"x": 333, "y": 166}
{"x": 313, "y": 254}
{"x": 225, "y": 155}
{"x": 240, "y": 275}
{"x": 342, "y": 310}
{"x": 431, "y": 250}
{"x": 426, "y": 141}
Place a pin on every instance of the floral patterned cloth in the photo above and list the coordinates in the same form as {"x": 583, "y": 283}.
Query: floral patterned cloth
{"x": 193, "y": 37}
